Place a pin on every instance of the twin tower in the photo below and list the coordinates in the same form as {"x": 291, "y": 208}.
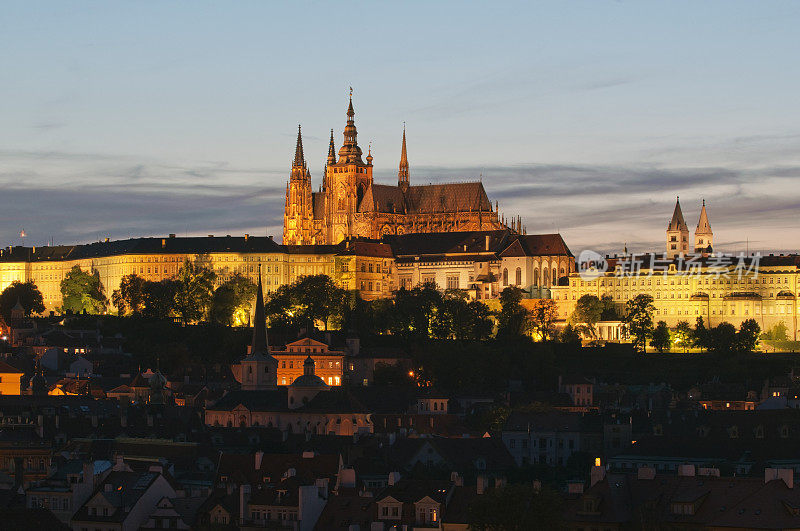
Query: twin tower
{"x": 678, "y": 234}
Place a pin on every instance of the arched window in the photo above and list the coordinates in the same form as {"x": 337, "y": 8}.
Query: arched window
{"x": 546, "y": 278}
{"x": 535, "y": 277}
{"x": 555, "y": 276}
{"x": 505, "y": 277}
{"x": 519, "y": 277}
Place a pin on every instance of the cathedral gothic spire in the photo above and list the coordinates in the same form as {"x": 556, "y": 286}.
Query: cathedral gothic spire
{"x": 299, "y": 159}
{"x": 331, "y": 151}
{"x": 402, "y": 174}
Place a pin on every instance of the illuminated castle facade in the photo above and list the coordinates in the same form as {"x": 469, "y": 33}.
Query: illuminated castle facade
{"x": 349, "y": 204}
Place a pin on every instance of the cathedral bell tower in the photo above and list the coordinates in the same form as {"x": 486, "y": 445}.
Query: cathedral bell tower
{"x": 346, "y": 181}
{"x": 677, "y": 234}
{"x": 298, "y": 214}
{"x": 703, "y": 236}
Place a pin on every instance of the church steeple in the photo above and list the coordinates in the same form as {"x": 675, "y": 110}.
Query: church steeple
{"x": 299, "y": 159}
{"x": 259, "y": 370}
{"x": 703, "y": 235}
{"x": 677, "y": 233}
{"x": 350, "y": 152}
{"x": 259, "y": 345}
{"x": 402, "y": 174}
{"x": 298, "y": 209}
{"x": 331, "y": 151}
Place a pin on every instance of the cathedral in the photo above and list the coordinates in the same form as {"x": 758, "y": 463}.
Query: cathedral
{"x": 349, "y": 204}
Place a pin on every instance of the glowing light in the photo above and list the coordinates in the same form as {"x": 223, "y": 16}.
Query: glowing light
{"x": 597, "y": 461}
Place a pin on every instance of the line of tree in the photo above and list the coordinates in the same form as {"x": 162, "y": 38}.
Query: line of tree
{"x": 191, "y": 295}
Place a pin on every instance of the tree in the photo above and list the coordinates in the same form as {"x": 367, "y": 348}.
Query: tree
{"x": 609, "y": 312}
{"x": 195, "y": 288}
{"x": 130, "y": 296}
{"x": 515, "y": 507}
{"x": 588, "y": 310}
{"x": 700, "y": 336}
{"x": 513, "y": 319}
{"x": 83, "y": 291}
{"x": 661, "y": 339}
{"x": 232, "y": 301}
{"x": 747, "y": 337}
{"x": 683, "y": 334}
{"x": 308, "y": 300}
{"x": 639, "y": 318}
{"x": 454, "y": 317}
{"x": 722, "y": 338}
{"x": 777, "y": 333}
{"x": 569, "y": 335}
{"x": 158, "y": 299}
{"x": 414, "y": 313}
{"x": 543, "y": 316}
{"x": 26, "y": 293}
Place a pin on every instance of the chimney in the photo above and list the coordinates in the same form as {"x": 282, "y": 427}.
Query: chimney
{"x": 163, "y": 242}
{"x": 88, "y": 474}
{"x": 346, "y": 478}
{"x": 244, "y": 497}
{"x": 646, "y": 472}
{"x": 483, "y": 484}
{"x": 686, "y": 470}
{"x": 246, "y": 236}
{"x": 575, "y": 487}
{"x": 786, "y": 474}
{"x": 172, "y": 235}
{"x": 598, "y": 472}
{"x": 259, "y": 456}
{"x": 394, "y": 477}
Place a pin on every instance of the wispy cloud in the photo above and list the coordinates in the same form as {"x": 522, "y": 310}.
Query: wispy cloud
{"x": 75, "y": 197}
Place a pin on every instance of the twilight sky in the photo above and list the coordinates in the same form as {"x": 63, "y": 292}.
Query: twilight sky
{"x": 125, "y": 119}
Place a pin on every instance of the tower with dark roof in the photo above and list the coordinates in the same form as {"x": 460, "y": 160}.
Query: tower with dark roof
{"x": 304, "y": 388}
{"x": 677, "y": 233}
{"x": 402, "y": 173}
{"x": 259, "y": 367}
{"x": 703, "y": 235}
{"x": 298, "y": 215}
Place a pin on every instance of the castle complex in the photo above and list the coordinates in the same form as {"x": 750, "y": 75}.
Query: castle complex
{"x": 349, "y": 204}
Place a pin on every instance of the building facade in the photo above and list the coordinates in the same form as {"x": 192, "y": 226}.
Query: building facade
{"x": 349, "y": 204}
{"x": 375, "y": 268}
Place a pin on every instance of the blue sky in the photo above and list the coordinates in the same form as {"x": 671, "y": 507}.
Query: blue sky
{"x": 144, "y": 118}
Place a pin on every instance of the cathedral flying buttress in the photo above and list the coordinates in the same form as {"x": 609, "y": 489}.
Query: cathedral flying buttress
{"x": 349, "y": 204}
